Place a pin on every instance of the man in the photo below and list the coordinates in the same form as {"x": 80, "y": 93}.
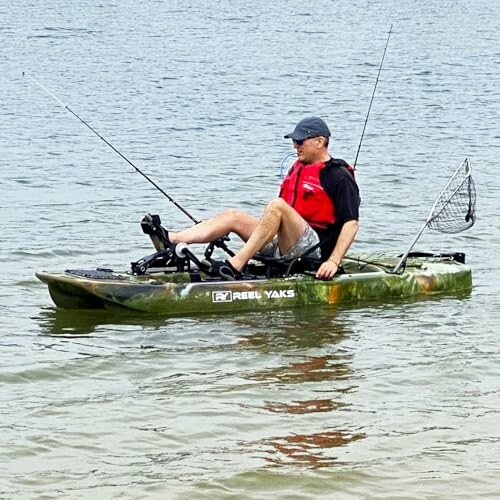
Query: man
{"x": 318, "y": 206}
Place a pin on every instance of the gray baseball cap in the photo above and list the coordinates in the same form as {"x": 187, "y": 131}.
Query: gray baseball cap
{"x": 312, "y": 126}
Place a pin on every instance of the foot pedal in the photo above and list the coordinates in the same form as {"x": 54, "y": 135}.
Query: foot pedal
{"x": 151, "y": 225}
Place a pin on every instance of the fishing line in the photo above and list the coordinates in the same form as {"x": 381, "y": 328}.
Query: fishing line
{"x": 185, "y": 212}
{"x": 294, "y": 153}
{"x": 373, "y": 95}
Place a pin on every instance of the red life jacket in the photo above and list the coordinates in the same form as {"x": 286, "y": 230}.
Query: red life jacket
{"x": 302, "y": 190}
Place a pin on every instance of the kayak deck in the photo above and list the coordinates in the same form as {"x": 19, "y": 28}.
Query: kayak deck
{"x": 365, "y": 278}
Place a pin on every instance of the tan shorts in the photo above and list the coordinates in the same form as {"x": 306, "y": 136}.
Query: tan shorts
{"x": 308, "y": 239}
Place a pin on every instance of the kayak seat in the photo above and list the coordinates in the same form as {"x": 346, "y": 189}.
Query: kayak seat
{"x": 281, "y": 266}
{"x": 286, "y": 266}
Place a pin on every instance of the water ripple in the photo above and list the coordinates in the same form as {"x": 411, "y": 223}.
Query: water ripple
{"x": 364, "y": 401}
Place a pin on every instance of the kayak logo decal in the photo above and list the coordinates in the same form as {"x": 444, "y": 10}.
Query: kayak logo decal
{"x": 230, "y": 296}
{"x": 222, "y": 297}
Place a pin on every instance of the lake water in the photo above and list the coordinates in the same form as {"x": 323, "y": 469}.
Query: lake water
{"x": 398, "y": 399}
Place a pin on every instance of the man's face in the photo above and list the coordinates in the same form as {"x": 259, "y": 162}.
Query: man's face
{"x": 308, "y": 149}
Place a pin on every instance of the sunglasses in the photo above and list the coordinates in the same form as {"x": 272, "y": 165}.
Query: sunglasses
{"x": 299, "y": 142}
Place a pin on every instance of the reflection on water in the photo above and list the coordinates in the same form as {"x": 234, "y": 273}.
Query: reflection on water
{"x": 306, "y": 406}
{"x": 308, "y": 450}
{"x": 325, "y": 368}
{"x": 301, "y": 328}
{"x": 298, "y": 364}
{"x": 292, "y": 371}
{"x": 325, "y": 380}
{"x": 327, "y": 375}
{"x": 283, "y": 327}
{"x": 84, "y": 322}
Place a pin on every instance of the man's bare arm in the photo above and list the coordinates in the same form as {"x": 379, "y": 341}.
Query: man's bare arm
{"x": 346, "y": 237}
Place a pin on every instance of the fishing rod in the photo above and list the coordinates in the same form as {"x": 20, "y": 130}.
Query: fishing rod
{"x": 373, "y": 95}
{"x": 185, "y": 212}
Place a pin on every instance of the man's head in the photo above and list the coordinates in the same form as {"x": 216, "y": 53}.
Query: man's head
{"x": 310, "y": 139}
{"x": 308, "y": 127}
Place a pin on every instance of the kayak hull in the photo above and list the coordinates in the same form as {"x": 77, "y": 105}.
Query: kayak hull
{"x": 176, "y": 293}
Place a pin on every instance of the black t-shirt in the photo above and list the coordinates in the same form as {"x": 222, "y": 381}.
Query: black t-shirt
{"x": 341, "y": 186}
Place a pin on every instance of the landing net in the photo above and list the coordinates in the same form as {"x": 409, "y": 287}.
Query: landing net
{"x": 454, "y": 210}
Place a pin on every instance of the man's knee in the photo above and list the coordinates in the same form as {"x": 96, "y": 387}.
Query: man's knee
{"x": 231, "y": 215}
{"x": 277, "y": 205}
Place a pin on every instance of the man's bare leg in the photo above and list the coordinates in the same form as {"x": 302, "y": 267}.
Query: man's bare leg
{"x": 229, "y": 221}
{"x": 280, "y": 219}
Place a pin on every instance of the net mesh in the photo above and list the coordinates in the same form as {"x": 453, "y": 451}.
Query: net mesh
{"x": 454, "y": 210}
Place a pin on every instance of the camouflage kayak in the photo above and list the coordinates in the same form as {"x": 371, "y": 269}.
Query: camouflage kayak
{"x": 364, "y": 278}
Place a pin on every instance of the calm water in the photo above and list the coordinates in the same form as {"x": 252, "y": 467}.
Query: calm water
{"x": 395, "y": 400}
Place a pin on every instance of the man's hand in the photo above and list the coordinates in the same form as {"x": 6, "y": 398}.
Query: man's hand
{"x": 327, "y": 270}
